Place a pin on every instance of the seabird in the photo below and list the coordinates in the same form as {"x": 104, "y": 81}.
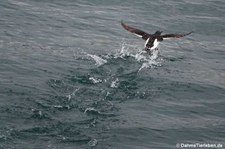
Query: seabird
{"x": 152, "y": 40}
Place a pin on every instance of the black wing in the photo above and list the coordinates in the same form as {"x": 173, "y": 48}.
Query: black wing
{"x": 175, "y": 35}
{"x": 138, "y": 32}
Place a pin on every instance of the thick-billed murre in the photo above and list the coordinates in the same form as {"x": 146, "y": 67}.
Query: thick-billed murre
{"x": 152, "y": 40}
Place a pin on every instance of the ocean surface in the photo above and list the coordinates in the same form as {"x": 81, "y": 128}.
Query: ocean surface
{"x": 72, "y": 78}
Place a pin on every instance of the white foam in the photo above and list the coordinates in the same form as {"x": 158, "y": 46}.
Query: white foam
{"x": 93, "y": 142}
{"x": 115, "y": 83}
{"x": 69, "y": 96}
{"x": 94, "y": 80}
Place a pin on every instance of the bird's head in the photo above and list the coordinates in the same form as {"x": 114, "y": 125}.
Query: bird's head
{"x": 158, "y": 32}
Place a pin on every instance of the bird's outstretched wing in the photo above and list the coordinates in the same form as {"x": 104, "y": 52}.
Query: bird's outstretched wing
{"x": 175, "y": 35}
{"x": 136, "y": 31}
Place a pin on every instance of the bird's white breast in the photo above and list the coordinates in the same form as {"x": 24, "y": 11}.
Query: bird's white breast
{"x": 155, "y": 44}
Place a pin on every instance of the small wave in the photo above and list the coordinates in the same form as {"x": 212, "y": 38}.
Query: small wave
{"x": 3, "y": 137}
{"x": 59, "y": 107}
{"x": 92, "y": 110}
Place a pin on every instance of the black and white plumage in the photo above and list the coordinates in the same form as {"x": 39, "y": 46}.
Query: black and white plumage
{"x": 152, "y": 40}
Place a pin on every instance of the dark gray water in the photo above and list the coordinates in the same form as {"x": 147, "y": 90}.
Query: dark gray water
{"x": 71, "y": 77}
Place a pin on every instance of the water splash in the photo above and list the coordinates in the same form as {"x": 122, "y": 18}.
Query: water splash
{"x": 124, "y": 52}
{"x": 149, "y": 64}
{"x": 147, "y": 60}
{"x": 98, "y": 60}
